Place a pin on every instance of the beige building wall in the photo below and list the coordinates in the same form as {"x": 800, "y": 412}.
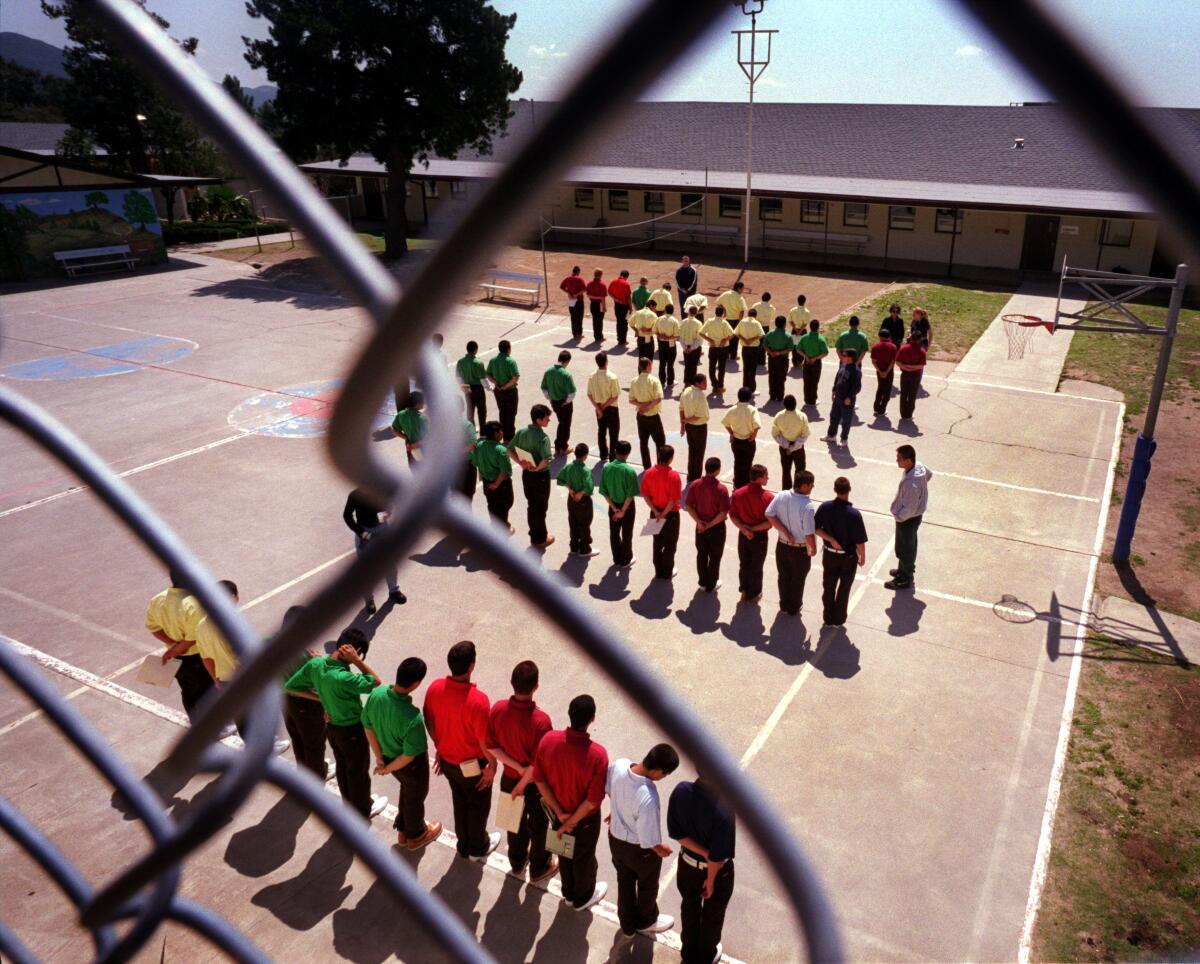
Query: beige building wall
{"x": 1079, "y": 245}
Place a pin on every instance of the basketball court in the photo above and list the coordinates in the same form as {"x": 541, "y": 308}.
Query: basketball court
{"x": 912, "y": 754}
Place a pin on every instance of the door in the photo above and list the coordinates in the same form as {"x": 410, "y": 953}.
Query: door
{"x": 1041, "y": 238}
{"x": 372, "y": 199}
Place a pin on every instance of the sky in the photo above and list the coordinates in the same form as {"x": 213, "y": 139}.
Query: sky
{"x": 840, "y": 51}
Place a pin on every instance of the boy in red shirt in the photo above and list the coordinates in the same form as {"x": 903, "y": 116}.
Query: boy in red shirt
{"x": 911, "y": 362}
{"x": 574, "y": 285}
{"x": 622, "y": 296}
{"x": 883, "y": 357}
{"x": 597, "y": 292}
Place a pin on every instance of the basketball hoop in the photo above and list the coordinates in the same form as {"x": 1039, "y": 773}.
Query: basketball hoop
{"x": 1019, "y": 329}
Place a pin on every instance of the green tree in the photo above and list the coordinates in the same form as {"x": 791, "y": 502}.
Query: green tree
{"x": 28, "y": 95}
{"x": 400, "y": 79}
{"x": 138, "y": 209}
{"x": 94, "y": 199}
{"x": 76, "y": 145}
{"x": 233, "y": 87}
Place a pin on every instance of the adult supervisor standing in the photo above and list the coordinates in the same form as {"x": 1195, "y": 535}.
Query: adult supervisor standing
{"x": 686, "y": 279}
{"x": 840, "y": 526}
{"x": 703, "y": 825}
{"x": 912, "y": 496}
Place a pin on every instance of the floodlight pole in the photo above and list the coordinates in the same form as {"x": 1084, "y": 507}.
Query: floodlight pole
{"x": 1143, "y": 449}
{"x": 753, "y": 69}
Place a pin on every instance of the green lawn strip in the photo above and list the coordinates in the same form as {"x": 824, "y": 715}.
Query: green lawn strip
{"x": 372, "y": 242}
{"x": 1124, "y": 875}
{"x": 958, "y": 315}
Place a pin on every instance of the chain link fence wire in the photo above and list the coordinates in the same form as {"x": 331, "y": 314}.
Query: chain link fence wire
{"x": 146, "y": 892}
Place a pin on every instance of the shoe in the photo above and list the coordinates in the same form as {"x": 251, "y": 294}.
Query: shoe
{"x": 549, "y": 541}
{"x": 898, "y": 583}
{"x": 378, "y": 803}
{"x": 550, "y": 871}
{"x": 597, "y": 896}
{"x": 843, "y": 443}
{"x": 432, "y": 831}
{"x": 401, "y": 838}
{"x": 893, "y": 572}
{"x": 716, "y": 587}
{"x": 397, "y": 597}
{"x": 280, "y": 746}
{"x": 330, "y": 769}
{"x": 664, "y": 923}
{"x": 827, "y": 438}
{"x": 588, "y": 554}
{"x": 720, "y": 951}
{"x": 493, "y": 843}
{"x": 369, "y": 609}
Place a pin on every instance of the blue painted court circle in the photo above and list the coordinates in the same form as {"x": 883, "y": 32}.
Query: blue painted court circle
{"x": 298, "y": 411}
{"x": 117, "y": 359}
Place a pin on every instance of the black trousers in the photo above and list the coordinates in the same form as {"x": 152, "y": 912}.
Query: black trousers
{"x": 910, "y": 383}
{"x": 597, "y": 308}
{"x": 710, "y": 546}
{"x": 701, "y": 921}
{"x": 352, "y": 754}
{"x": 576, "y": 313}
{"x": 563, "y": 411}
{"x": 787, "y": 462}
{"x": 471, "y": 807}
{"x": 304, "y": 721}
{"x": 620, "y": 535}
{"x": 621, "y": 313}
{"x": 743, "y": 459}
{"x": 666, "y": 362}
{"x": 650, "y": 427}
{"x": 500, "y": 499}
{"x": 645, "y": 347}
{"x": 414, "y": 788}
{"x": 194, "y": 684}
{"x": 718, "y": 358}
{"x": 530, "y": 843}
{"x": 752, "y": 553}
{"x": 812, "y": 378}
{"x": 578, "y": 874}
{"x": 608, "y": 428}
{"x": 506, "y": 404}
{"x": 793, "y": 563}
{"x": 579, "y": 520}
{"x": 750, "y": 368}
{"x": 638, "y": 870}
{"x": 691, "y": 364}
{"x": 777, "y": 373}
{"x": 536, "y": 486}
{"x": 697, "y": 441}
{"x": 837, "y": 579}
{"x": 664, "y": 546}
{"x": 477, "y": 405}
{"x": 883, "y": 393}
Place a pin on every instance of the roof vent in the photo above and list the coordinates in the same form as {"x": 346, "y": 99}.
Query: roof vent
{"x": 1018, "y": 144}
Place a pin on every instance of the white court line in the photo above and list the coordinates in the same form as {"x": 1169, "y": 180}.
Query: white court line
{"x": 1041, "y": 861}
{"x": 605, "y": 909}
{"x": 1002, "y": 485}
{"x": 299, "y": 579}
{"x": 79, "y": 691}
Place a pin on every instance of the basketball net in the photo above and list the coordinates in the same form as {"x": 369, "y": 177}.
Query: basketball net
{"x": 1019, "y": 329}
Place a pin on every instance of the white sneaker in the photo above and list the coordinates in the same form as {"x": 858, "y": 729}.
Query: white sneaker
{"x": 717, "y": 956}
{"x": 280, "y": 746}
{"x": 330, "y": 769}
{"x": 493, "y": 843}
{"x": 664, "y": 923}
{"x": 597, "y": 896}
{"x": 227, "y": 731}
{"x": 378, "y": 803}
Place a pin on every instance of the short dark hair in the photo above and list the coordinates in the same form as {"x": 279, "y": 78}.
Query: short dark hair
{"x": 745, "y": 394}
{"x": 814, "y": 325}
{"x": 601, "y": 359}
{"x": 576, "y": 269}
{"x": 789, "y": 402}
{"x": 539, "y": 412}
{"x": 804, "y": 477}
{"x": 461, "y": 657}
{"x": 801, "y": 299}
{"x": 854, "y": 321}
{"x": 669, "y": 310}
{"x": 229, "y": 586}
{"x": 907, "y": 452}
{"x": 739, "y": 285}
{"x": 712, "y": 464}
{"x": 492, "y": 429}
{"x": 624, "y": 272}
{"x": 699, "y": 377}
{"x": 581, "y": 450}
{"x": 177, "y": 578}
{"x": 651, "y": 303}
{"x": 851, "y": 354}
{"x": 752, "y": 313}
{"x": 893, "y": 307}
{"x": 766, "y": 296}
{"x": 645, "y": 364}
{"x": 505, "y": 346}
{"x": 780, "y": 321}
{"x": 564, "y": 357}
{"x": 665, "y": 454}
{"x": 758, "y": 472}
{"x": 719, "y": 311}
{"x": 841, "y": 485}
{"x": 661, "y": 757}
{"x": 581, "y": 712}
{"x": 524, "y": 677}
{"x": 885, "y": 334}
{"x": 472, "y": 347}
{"x": 415, "y": 398}
{"x": 622, "y": 447}
{"x": 355, "y": 637}
{"x": 411, "y": 670}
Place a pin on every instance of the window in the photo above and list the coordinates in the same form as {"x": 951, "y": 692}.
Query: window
{"x": 770, "y": 209}
{"x": 855, "y": 215}
{"x": 585, "y": 197}
{"x": 731, "y": 207}
{"x": 653, "y": 202}
{"x": 948, "y": 221}
{"x": 812, "y": 212}
{"x": 692, "y": 204}
{"x": 458, "y": 188}
{"x": 902, "y": 218}
{"x": 430, "y": 188}
{"x": 618, "y": 200}
{"x": 1117, "y": 234}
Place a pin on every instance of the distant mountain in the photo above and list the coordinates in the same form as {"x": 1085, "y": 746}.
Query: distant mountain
{"x": 261, "y": 94}
{"x": 34, "y": 54}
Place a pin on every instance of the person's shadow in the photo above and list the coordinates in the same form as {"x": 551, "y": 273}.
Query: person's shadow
{"x": 702, "y": 612}
{"x": 882, "y": 422}
{"x": 906, "y": 426}
{"x": 613, "y": 585}
{"x": 512, "y": 924}
{"x": 841, "y": 456}
{"x": 270, "y": 843}
{"x": 573, "y": 570}
{"x": 443, "y": 554}
{"x": 787, "y": 640}
{"x": 839, "y": 658}
{"x": 565, "y": 939}
{"x": 303, "y": 901}
{"x": 904, "y": 614}
{"x": 655, "y": 600}
{"x": 746, "y": 627}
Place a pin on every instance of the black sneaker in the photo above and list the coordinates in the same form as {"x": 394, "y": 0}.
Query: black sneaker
{"x": 898, "y": 583}
{"x": 893, "y": 572}
{"x": 369, "y": 609}
{"x": 397, "y": 597}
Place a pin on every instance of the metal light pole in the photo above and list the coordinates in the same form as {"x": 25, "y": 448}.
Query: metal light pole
{"x": 753, "y": 68}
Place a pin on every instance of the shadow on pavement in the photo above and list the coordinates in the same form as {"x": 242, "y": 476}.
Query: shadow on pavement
{"x": 270, "y": 843}
{"x": 566, "y": 938}
{"x": 512, "y": 924}
{"x": 904, "y": 612}
{"x": 613, "y": 585}
{"x": 839, "y": 658}
{"x": 702, "y": 612}
{"x": 655, "y": 600}
{"x": 317, "y": 891}
{"x": 746, "y": 627}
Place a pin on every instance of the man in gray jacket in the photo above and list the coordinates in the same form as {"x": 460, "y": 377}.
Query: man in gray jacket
{"x": 912, "y": 496}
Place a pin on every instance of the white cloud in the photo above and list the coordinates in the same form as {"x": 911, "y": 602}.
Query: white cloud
{"x": 550, "y": 51}
{"x": 770, "y": 82}
{"x": 969, "y": 50}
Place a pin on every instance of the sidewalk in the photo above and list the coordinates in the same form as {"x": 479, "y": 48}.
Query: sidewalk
{"x": 282, "y": 236}
{"x": 1129, "y": 622}
{"x": 1042, "y": 366}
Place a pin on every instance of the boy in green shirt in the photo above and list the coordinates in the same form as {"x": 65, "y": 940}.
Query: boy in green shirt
{"x": 535, "y": 477}
{"x": 853, "y": 340}
{"x": 619, "y": 486}
{"x": 504, "y": 375}
{"x": 813, "y": 348}
{"x": 495, "y": 469}
{"x": 576, "y": 478}
{"x": 471, "y": 374}
{"x": 558, "y": 386}
{"x": 395, "y": 729}
{"x": 411, "y": 425}
{"x": 778, "y": 345}
{"x": 640, "y": 295}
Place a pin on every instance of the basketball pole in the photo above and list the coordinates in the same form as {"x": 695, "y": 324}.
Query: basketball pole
{"x": 753, "y": 69}
{"x": 1143, "y": 449}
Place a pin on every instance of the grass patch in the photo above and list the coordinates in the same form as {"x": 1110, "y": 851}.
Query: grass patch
{"x": 301, "y": 249}
{"x": 1125, "y": 867}
{"x": 958, "y": 315}
{"x": 1127, "y": 362}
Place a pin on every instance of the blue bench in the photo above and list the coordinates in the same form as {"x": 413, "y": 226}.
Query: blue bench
{"x": 499, "y": 276}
